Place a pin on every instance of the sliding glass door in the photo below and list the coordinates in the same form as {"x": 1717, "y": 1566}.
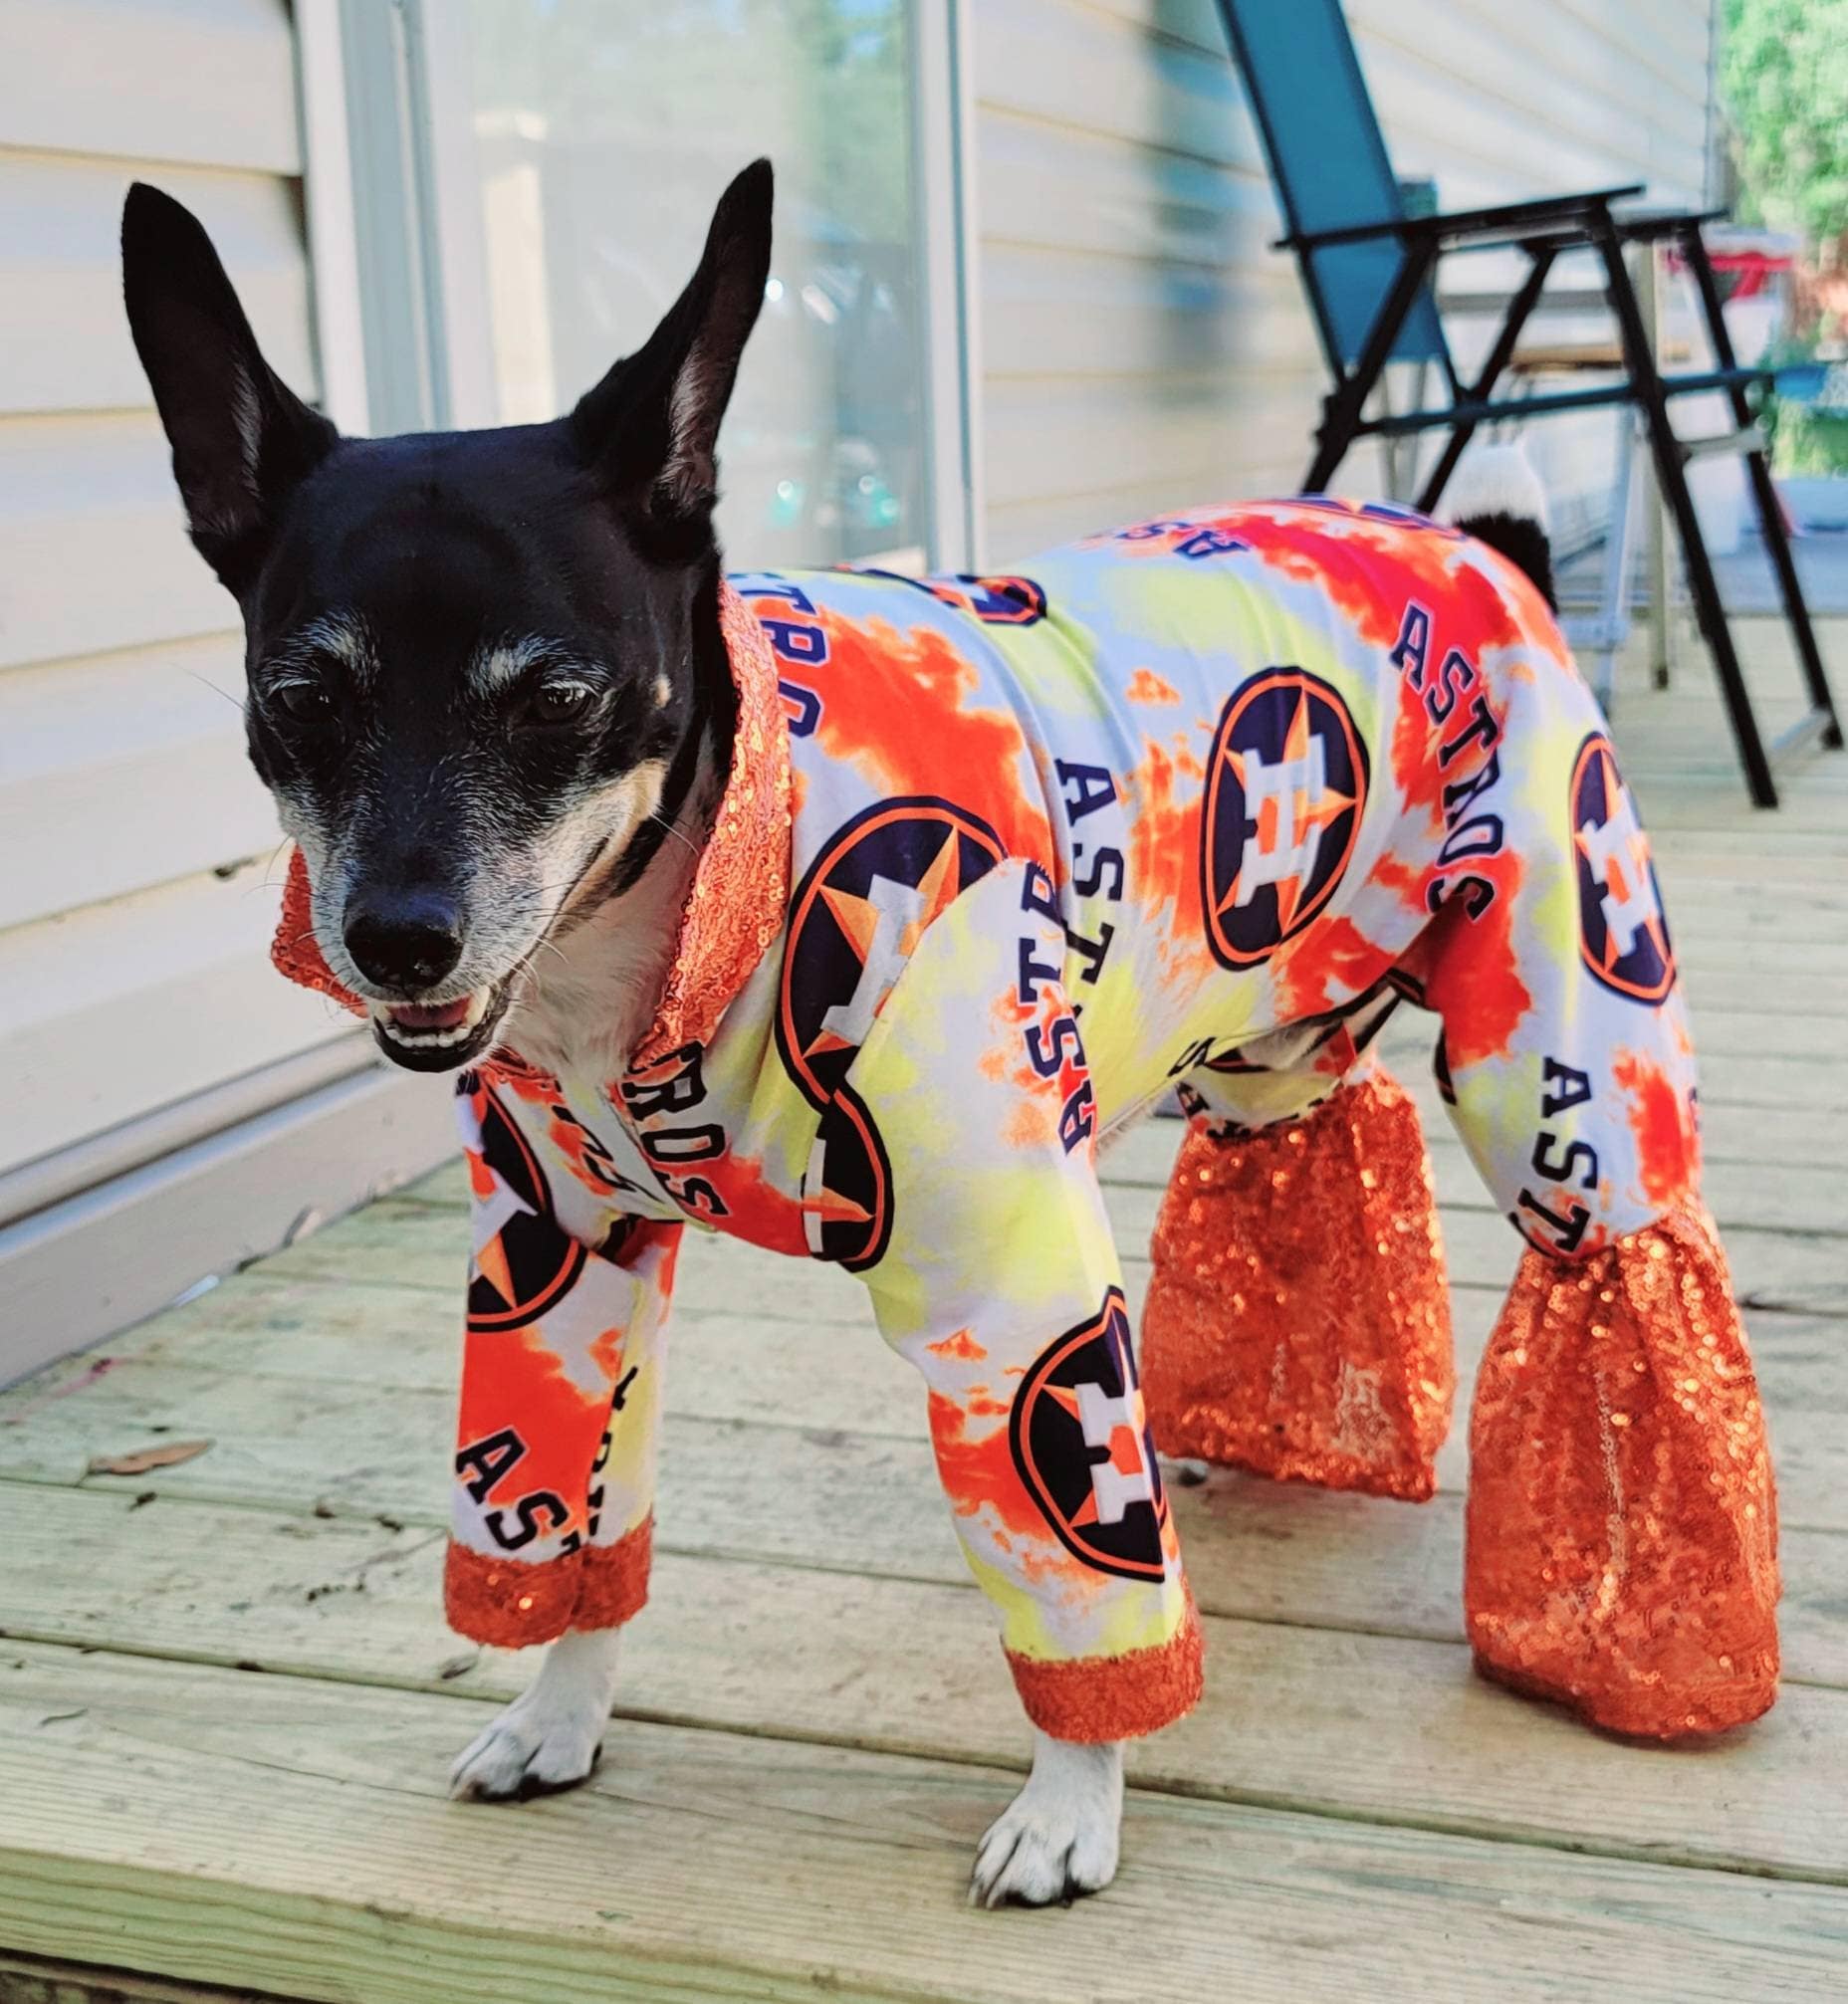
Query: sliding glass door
{"x": 603, "y": 132}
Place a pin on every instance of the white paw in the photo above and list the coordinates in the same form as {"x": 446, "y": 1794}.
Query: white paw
{"x": 552, "y": 1735}
{"x": 1058, "y": 1839}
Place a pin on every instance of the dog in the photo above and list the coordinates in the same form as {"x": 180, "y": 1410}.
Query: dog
{"x": 851, "y": 913}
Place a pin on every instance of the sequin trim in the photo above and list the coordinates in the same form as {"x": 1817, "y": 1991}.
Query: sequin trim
{"x": 741, "y": 889}
{"x": 1096, "y": 1699}
{"x": 1298, "y": 1320}
{"x": 511, "y": 1606}
{"x": 295, "y": 950}
{"x": 1621, "y": 1541}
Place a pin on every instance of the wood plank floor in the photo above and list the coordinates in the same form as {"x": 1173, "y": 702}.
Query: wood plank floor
{"x": 228, "y": 1701}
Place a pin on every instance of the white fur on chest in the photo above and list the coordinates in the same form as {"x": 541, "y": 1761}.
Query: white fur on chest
{"x": 594, "y": 989}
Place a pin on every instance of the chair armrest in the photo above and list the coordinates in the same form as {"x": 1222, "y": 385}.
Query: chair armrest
{"x": 1509, "y": 220}
{"x": 1649, "y": 226}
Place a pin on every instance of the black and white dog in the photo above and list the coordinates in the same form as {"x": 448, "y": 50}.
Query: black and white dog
{"x": 495, "y": 687}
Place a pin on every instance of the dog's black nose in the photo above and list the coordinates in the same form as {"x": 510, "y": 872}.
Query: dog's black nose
{"x": 404, "y": 942}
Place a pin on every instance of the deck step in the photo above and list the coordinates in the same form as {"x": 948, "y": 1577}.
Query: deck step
{"x": 292, "y": 1834}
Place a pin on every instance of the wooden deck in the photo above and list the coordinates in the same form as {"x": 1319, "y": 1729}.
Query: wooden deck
{"x": 228, "y": 1701}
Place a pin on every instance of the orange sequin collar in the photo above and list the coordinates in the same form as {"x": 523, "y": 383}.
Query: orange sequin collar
{"x": 734, "y": 908}
{"x": 741, "y": 889}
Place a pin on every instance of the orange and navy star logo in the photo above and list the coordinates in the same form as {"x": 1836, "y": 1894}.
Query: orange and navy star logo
{"x": 1286, "y": 785}
{"x": 1288, "y": 806}
{"x": 497, "y": 1204}
{"x": 882, "y": 924}
{"x": 878, "y": 885}
{"x": 523, "y": 1262}
{"x": 1623, "y": 935}
{"x": 1080, "y": 1439}
{"x": 1119, "y": 1425}
{"x": 856, "y": 919}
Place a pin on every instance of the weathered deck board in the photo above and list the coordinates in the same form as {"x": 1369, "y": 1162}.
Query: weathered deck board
{"x": 1338, "y": 1720}
{"x": 699, "y": 1864}
{"x": 827, "y": 1404}
{"x": 228, "y": 1584}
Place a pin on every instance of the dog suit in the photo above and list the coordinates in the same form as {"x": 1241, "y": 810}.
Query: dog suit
{"x": 999, "y": 863}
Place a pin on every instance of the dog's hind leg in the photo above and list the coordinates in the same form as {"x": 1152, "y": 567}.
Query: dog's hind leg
{"x": 550, "y": 1737}
{"x": 1620, "y": 1541}
{"x": 1298, "y": 1322}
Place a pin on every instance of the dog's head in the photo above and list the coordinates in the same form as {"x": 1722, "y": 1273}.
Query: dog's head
{"x": 480, "y": 663}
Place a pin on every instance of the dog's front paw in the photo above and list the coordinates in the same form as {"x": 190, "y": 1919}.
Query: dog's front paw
{"x": 551, "y": 1736}
{"x": 525, "y": 1753}
{"x": 1059, "y": 1836}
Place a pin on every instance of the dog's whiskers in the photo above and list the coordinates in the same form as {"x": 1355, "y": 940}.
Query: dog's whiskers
{"x": 678, "y": 833}
{"x": 237, "y": 702}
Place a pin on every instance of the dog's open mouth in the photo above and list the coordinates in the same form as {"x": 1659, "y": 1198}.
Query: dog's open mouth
{"x": 436, "y": 1036}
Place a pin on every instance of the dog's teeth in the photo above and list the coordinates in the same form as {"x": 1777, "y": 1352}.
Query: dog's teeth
{"x": 438, "y": 1040}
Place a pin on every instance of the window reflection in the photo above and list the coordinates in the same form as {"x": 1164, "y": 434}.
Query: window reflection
{"x": 604, "y": 132}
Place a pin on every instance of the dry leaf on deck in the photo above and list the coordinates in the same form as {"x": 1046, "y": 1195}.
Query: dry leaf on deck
{"x": 166, "y": 1455}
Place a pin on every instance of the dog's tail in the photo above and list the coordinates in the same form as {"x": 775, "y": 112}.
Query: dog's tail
{"x": 1497, "y": 497}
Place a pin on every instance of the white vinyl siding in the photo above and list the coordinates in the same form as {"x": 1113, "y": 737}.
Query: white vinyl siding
{"x": 134, "y": 908}
{"x": 1143, "y": 345}
{"x": 172, "y": 1107}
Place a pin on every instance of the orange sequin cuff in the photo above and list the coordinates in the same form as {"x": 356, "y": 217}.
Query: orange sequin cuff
{"x": 511, "y": 1606}
{"x": 1621, "y": 1543}
{"x": 1097, "y": 1699}
{"x": 1299, "y": 1320}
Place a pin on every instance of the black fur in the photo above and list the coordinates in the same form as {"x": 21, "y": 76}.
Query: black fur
{"x": 1523, "y": 541}
{"x": 592, "y": 533}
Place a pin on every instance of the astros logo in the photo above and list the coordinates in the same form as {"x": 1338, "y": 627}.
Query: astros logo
{"x": 1081, "y": 1444}
{"x": 523, "y": 1263}
{"x": 1622, "y": 934}
{"x": 856, "y": 917}
{"x": 1286, "y": 785}
{"x": 995, "y": 602}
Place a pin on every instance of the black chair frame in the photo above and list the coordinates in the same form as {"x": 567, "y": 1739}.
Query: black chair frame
{"x": 1545, "y": 229}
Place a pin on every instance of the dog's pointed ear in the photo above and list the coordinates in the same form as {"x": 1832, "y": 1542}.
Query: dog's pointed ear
{"x": 241, "y": 438}
{"x": 651, "y": 428}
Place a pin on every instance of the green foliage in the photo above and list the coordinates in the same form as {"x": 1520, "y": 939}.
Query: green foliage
{"x": 1811, "y": 441}
{"x": 1806, "y": 434}
{"x": 1784, "y": 75}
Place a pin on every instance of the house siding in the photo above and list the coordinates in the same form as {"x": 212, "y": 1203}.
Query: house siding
{"x": 172, "y": 1109}
{"x": 1143, "y": 345}
{"x": 134, "y": 908}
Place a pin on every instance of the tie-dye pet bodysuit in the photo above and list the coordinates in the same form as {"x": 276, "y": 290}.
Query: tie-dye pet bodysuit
{"x": 1001, "y": 862}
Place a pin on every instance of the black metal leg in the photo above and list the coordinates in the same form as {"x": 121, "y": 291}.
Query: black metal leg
{"x": 1764, "y": 493}
{"x": 1346, "y": 404}
{"x": 1672, "y": 473}
{"x": 1333, "y": 436}
{"x": 1519, "y": 308}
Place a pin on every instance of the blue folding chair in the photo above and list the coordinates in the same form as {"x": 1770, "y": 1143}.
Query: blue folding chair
{"x": 1368, "y": 265}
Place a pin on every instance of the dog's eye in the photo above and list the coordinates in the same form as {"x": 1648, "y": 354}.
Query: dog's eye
{"x": 561, "y": 702}
{"x": 303, "y": 701}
